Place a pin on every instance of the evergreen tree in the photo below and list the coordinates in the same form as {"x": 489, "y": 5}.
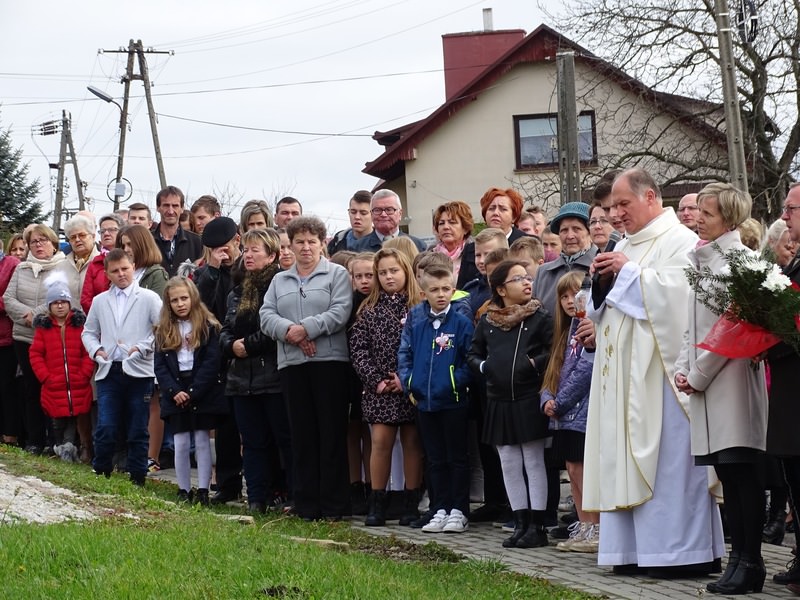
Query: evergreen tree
{"x": 18, "y": 205}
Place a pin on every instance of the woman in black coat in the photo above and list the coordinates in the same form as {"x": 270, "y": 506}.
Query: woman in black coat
{"x": 511, "y": 348}
{"x": 253, "y": 381}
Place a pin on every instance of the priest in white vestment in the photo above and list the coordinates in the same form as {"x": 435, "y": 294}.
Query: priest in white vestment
{"x": 656, "y": 507}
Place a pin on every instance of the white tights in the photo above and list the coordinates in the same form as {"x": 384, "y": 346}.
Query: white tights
{"x": 519, "y": 461}
{"x": 202, "y": 454}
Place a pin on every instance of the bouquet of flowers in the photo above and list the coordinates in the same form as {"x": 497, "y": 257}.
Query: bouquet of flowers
{"x": 758, "y": 305}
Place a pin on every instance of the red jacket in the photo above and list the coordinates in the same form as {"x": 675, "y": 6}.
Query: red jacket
{"x": 7, "y": 266}
{"x": 95, "y": 282}
{"x": 62, "y": 365}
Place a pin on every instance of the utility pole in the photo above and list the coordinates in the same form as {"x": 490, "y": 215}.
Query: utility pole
{"x": 66, "y": 156}
{"x": 733, "y": 118}
{"x": 569, "y": 167}
{"x": 136, "y": 50}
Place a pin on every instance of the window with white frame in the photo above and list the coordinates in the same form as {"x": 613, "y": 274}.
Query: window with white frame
{"x": 536, "y": 140}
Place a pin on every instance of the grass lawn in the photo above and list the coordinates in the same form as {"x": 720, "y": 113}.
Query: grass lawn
{"x": 145, "y": 546}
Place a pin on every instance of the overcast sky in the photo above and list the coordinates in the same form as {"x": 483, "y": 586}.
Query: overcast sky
{"x": 323, "y": 68}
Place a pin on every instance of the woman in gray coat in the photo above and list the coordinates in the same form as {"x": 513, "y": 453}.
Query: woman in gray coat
{"x": 728, "y": 399}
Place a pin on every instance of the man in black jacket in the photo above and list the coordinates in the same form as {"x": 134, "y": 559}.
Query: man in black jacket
{"x": 176, "y": 244}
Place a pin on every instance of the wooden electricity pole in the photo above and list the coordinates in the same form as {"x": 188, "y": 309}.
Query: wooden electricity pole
{"x": 66, "y": 156}
{"x": 569, "y": 166}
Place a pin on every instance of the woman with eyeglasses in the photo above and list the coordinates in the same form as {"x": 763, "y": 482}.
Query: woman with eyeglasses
{"x": 95, "y": 281}
{"x": 305, "y": 310}
{"x": 79, "y": 231}
{"x": 599, "y": 226}
{"x": 511, "y": 349}
{"x": 25, "y": 297}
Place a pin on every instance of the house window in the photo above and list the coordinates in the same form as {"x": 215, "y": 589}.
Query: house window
{"x": 536, "y": 140}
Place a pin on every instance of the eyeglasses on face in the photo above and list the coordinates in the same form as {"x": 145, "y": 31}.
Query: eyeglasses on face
{"x": 78, "y": 236}
{"x": 598, "y": 222}
{"x": 389, "y": 210}
{"x": 788, "y": 208}
{"x": 109, "y": 230}
{"x": 39, "y": 242}
{"x": 519, "y": 279}
{"x": 687, "y": 208}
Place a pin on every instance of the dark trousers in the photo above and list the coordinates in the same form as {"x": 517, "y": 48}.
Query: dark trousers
{"x": 123, "y": 403}
{"x": 33, "y": 418}
{"x": 264, "y": 425}
{"x": 229, "y": 453}
{"x": 316, "y": 397}
{"x": 445, "y": 439}
{"x": 791, "y": 473}
{"x": 743, "y": 486}
{"x": 12, "y": 403}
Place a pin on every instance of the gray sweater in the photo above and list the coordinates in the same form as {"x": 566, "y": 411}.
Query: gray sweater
{"x": 322, "y": 305}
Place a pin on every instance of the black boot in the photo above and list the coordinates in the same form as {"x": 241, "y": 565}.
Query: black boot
{"x": 376, "y": 512}
{"x": 730, "y": 569}
{"x": 775, "y": 529}
{"x": 749, "y": 576}
{"x": 535, "y": 536}
{"x": 411, "y": 500}
{"x": 358, "y": 498}
{"x": 521, "y": 523}
{"x": 790, "y": 575}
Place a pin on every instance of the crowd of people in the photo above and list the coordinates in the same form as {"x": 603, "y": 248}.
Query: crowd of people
{"x": 360, "y": 372}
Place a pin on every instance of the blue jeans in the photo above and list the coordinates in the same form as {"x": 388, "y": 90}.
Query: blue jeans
{"x": 444, "y": 436}
{"x": 122, "y": 402}
{"x": 263, "y": 425}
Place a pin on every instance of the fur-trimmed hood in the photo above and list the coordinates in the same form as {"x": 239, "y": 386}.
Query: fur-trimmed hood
{"x": 76, "y": 318}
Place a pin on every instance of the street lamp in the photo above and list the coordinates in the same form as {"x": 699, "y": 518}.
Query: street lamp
{"x": 119, "y": 187}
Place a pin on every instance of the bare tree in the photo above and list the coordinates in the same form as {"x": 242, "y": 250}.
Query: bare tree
{"x": 671, "y": 46}
{"x": 229, "y": 198}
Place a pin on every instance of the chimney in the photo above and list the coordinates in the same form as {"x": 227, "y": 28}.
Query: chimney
{"x": 467, "y": 55}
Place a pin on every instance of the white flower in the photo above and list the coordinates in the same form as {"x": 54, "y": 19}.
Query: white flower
{"x": 754, "y": 264}
{"x": 775, "y": 281}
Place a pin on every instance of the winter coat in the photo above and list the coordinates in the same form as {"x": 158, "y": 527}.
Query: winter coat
{"x": 154, "y": 279}
{"x": 79, "y": 272}
{"x": 95, "y": 281}
{"x": 321, "y": 305}
{"x": 214, "y": 285}
{"x": 205, "y": 388}
{"x": 729, "y": 409}
{"x": 547, "y": 276}
{"x": 572, "y": 397}
{"x": 62, "y": 365}
{"x": 7, "y": 266}
{"x": 256, "y": 373}
{"x": 432, "y": 363}
{"x": 27, "y": 293}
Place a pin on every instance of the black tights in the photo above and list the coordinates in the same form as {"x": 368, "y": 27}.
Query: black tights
{"x": 791, "y": 473}
{"x": 742, "y": 484}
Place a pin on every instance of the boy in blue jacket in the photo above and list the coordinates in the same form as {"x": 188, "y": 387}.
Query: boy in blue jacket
{"x": 432, "y": 366}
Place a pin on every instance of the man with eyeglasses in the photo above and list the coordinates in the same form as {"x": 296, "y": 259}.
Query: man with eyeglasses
{"x": 577, "y": 252}
{"x": 688, "y": 210}
{"x": 386, "y": 216}
{"x": 360, "y": 224}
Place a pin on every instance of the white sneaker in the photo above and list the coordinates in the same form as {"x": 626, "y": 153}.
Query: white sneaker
{"x": 456, "y": 522}
{"x": 437, "y": 523}
{"x": 577, "y": 531}
{"x": 590, "y": 541}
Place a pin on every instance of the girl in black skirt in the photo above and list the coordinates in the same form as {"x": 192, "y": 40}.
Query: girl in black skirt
{"x": 187, "y": 366}
{"x": 511, "y": 348}
{"x": 565, "y": 399}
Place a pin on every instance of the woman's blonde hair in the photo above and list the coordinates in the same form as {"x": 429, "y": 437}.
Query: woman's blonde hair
{"x": 569, "y": 282}
{"x": 411, "y": 287}
{"x": 168, "y": 333}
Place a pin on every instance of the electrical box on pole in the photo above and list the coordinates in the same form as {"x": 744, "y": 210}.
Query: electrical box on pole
{"x": 66, "y": 155}
{"x": 569, "y": 168}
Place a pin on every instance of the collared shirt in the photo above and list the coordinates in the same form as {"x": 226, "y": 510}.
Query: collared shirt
{"x": 121, "y": 297}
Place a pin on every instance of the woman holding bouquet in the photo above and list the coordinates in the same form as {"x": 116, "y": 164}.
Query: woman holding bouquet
{"x": 728, "y": 399}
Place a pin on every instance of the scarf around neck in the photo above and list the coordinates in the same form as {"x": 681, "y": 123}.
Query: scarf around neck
{"x": 508, "y": 317}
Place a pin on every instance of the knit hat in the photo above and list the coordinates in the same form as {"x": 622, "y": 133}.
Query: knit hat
{"x": 219, "y": 232}
{"x": 57, "y": 288}
{"x": 571, "y": 210}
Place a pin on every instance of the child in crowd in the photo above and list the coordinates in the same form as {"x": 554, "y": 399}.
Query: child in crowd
{"x": 119, "y": 336}
{"x": 374, "y": 343}
{"x": 510, "y": 349}
{"x": 565, "y": 399}
{"x": 61, "y": 364}
{"x": 487, "y": 240}
{"x": 359, "y": 442}
{"x": 434, "y": 372}
{"x": 551, "y": 244}
{"x": 187, "y": 365}
{"x": 528, "y": 250}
